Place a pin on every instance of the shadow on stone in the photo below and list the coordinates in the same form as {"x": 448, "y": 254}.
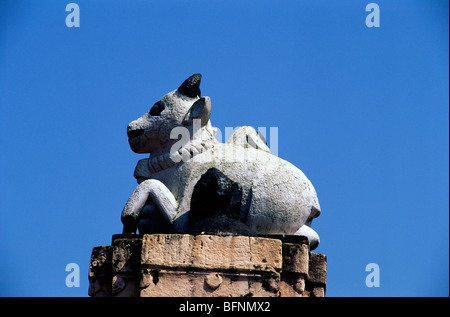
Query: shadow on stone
{"x": 221, "y": 226}
{"x": 216, "y": 205}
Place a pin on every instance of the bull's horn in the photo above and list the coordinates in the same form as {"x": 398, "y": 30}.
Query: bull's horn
{"x": 191, "y": 86}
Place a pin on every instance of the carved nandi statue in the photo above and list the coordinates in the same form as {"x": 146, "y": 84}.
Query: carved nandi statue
{"x": 197, "y": 183}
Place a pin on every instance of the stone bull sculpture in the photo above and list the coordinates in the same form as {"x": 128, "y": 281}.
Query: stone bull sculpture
{"x": 197, "y": 184}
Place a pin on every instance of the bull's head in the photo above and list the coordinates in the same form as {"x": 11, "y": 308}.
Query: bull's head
{"x": 180, "y": 107}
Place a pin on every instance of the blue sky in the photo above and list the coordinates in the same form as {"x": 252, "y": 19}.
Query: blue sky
{"x": 363, "y": 112}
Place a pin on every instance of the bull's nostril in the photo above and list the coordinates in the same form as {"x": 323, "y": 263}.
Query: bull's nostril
{"x": 134, "y": 133}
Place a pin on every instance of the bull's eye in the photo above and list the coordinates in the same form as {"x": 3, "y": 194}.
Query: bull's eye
{"x": 157, "y": 109}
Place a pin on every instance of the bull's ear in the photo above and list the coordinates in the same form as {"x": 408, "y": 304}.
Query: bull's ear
{"x": 191, "y": 86}
{"x": 201, "y": 109}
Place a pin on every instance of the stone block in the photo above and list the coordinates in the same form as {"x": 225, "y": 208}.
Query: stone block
{"x": 182, "y": 265}
{"x": 126, "y": 267}
{"x": 183, "y": 283}
{"x": 209, "y": 265}
{"x": 292, "y": 285}
{"x": 318, "y": 291}
{"x": 317, "y": 268}
{"x": 100, "y": 272}
{"x": 295, "y": 258}
{"x": 210, "y": 252}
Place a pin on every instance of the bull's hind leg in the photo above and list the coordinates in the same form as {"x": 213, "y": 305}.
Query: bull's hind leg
{"x": 312, "y": 236}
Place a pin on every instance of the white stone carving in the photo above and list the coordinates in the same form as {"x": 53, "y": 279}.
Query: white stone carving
{"x": 277, "y": 198}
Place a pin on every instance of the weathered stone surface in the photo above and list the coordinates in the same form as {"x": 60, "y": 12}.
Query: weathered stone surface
{"x": 206, "y": 265}
{"x": 179, "y": 283}
{"x": 126, "y": 267}
{"x": 295, "y": 266}
{"x": 208, "y": 252}
{"x": 299, "y": 285}
{"x": 317, "y": 268}
{"x": 100, "y": 271}
{"x": 293, "y": 286}
{"x": 295, "y": 258}
{"x": 318, "y": 291}
{"x": 213, "y": 280}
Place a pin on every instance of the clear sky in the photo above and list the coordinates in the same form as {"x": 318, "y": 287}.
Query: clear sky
{"x": 363, "y": 112}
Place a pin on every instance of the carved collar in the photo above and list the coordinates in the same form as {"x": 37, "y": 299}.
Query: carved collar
{"x": 151, "y": 165}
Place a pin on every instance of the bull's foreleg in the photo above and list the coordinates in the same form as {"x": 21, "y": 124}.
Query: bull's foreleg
{"x": 158, "y": 193}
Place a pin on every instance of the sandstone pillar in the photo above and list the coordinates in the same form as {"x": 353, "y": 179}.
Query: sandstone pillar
{"x": 183, "y": 265}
